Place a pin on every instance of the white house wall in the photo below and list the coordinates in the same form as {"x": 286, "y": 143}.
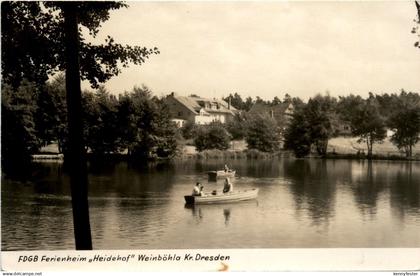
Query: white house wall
{"x": 205, "y": 120}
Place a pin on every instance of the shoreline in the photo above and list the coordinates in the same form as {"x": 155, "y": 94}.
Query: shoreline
{"x": 227, "y": 154}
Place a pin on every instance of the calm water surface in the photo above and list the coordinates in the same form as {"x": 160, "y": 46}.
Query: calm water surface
{"x": 301, "y": 203}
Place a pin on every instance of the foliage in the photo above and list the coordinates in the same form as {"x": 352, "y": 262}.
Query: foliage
{"x": 405, "y": 122}
{"x": 188, "y": 130}
{"x": 33, "y": 43}
{"x": 346, "y": 106}
{"x": 416, "y": 29}
{"x": 212, "y": 136}
{"x": 164, "y": 132}
{"x": 312, "y": 124}
{"x": 237, "y": 102}
{"x": 263, "y": 134}
{"x": 145, "y": 128}
{"x": 391, "y": 103}
{"x": 295, "y": 101}
{"x": 365, "y": 119}
{"x": 237, "y": 127}
{"x": 322, "y": 121}
{"x": 18, "y": 133}
{"x": 33, "y": 39}
{"x": 406, "y": 126}
{"x": 50, "y": 117}
{"x": 248, "y": 104}
{"x": 276, "y": 101}
{"x": 33, "y": 117}
{"x": 101, "y": 121}
{"x": 297, "y": 136}
{"x": 135, "y": 116}
{"x": 41, "y": 38}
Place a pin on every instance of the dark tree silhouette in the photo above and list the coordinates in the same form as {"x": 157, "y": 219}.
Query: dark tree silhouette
{"x": 144, "y": 125}
{"x": 312, "y": 124}
{"x": 364, "y": 119}
{"x": 41, "y": 38}
{"x": 263, "y": 133}
{"x": 416, "y": 29}
{"x": 18, "y": 132}
{"x": 75, "y": 155}
{"x": 212, "y": 136}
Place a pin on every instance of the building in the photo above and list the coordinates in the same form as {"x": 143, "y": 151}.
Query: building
{"x": 282, "y": 113}
{"x": 198, "y": 110}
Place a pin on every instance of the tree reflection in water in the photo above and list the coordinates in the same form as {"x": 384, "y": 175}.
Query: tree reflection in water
{"x": 312, "y": 187}
{"x": 226, "y": 214}
{"x": 302, "y": 202}
{"x": 405, "y": 189}
{"x": 367, "y": 187}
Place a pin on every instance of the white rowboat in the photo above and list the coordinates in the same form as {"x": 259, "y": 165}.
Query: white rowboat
{"x": 221, "y": 173}
{"x": 222, "y": 197}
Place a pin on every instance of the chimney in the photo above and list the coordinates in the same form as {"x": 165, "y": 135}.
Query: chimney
{"x": 229, "y": 102}
{"x": 272, "y": 113}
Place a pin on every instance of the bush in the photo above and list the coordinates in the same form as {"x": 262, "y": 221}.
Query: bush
{"x": 237, "y": 127}
{"x": 297, "y": 136}
{"x": 213, "y": 136}
{"x": 263, "y": 134}
{"x": 188, "y": 130}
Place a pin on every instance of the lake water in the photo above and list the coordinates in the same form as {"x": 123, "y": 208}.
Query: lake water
{"x": 301, "y": 203}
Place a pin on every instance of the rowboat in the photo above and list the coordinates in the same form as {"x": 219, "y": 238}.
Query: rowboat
{"x": 221, "y": 173}
{"x": 210, "y": 198}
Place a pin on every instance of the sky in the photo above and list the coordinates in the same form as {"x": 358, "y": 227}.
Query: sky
{"x": 268, "y": 49}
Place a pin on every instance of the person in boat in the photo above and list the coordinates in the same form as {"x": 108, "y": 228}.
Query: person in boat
{"x": 228, "y": 186}
{"x": 226, "y": 168}
{"x": 198, "y": 188}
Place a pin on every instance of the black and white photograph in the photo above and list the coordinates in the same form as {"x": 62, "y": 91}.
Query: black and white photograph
{"x": 158, "y": 126}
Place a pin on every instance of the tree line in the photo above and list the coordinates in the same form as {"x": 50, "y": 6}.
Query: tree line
{"x": 237, "y": 102}
{"x": 135, "y": 122}
{"x": 41, "y": 38}
{"x": 261, "y": 132}
{"x": 314, "y": 123}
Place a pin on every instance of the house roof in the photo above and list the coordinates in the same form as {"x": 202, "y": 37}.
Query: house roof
{"x": 193, "y": 104}
{"x": 278, "y": 111}
{"x": 188, "y": 103}
{"x": 223, "y": 103}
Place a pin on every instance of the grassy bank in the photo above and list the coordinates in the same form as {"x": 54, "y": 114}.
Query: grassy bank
{"x": 232, "y": 154}
{"x": 373, "y": 157}
{"x": 338, "y": 148}
{"x": 349, "y": 148}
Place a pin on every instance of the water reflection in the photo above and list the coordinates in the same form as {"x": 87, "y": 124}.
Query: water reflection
{"x": 203, "y": 212}
{"x": 196, "y": 212}
{"x": 367, "y": 185}
{"x": 313, "y": 188}
{"x": 226, "y": 214}
{"x": 25, "y": 216}
{"x": 263, "y": 168}
{"x": 405, "y": 189}
{"x": 301, "y": 203}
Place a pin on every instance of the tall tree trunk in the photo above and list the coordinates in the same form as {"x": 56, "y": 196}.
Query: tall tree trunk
{"x": 322, "y": 146}
{"x": 410, "y": 153}
{"x": 76, "y": 158}
{"x": 369, "y": 146}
